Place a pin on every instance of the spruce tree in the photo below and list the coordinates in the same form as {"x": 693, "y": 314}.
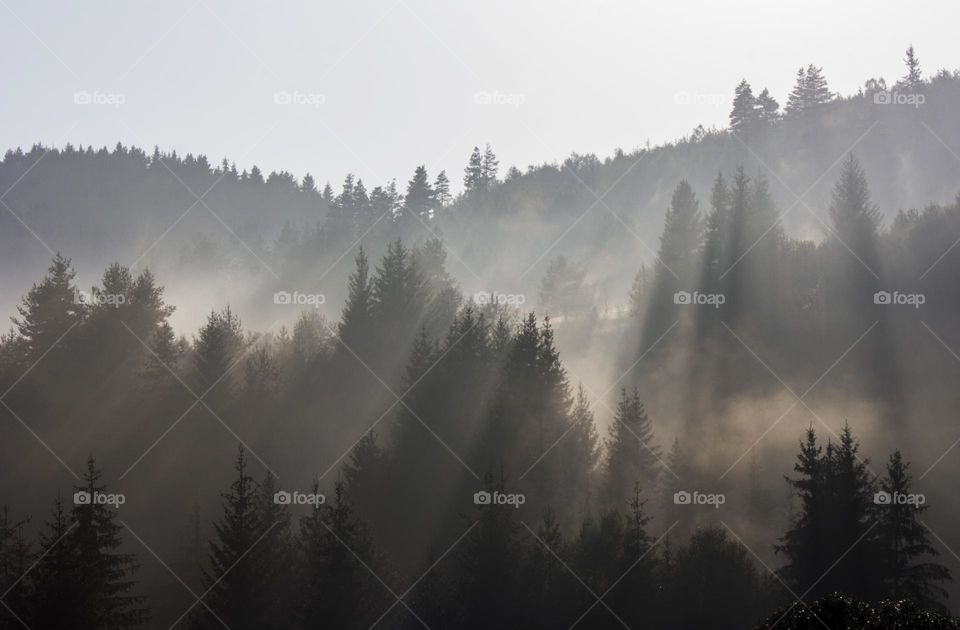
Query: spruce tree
{"x": 744, "y": 112}
{"x": 57, "y": 595}
{"x": 337, "y": 589}
{"x": 50, "y": 309}
{"x": 420, "y": 198}
{"x": 356, "y": 323}
{"x": 797, "y": 100}
{"x": 15, "y": 559}
{"x": 216, "y": 349}
{"x": 108, "y": 574}
{"x": 489, "y": 168}
{"x": 913, "y": 80}
{"x": 473, "y": 181}
{"x": 816, "y": 92}
{"x": 908, "y": 569}
{"x": 768, "y": 109}
{"x": 234, "y": 581}
{"x": 441, "y": 188}
{"x": 632, "y": 455}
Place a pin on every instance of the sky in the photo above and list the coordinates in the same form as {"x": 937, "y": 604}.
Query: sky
{"x": 376, "y": 88}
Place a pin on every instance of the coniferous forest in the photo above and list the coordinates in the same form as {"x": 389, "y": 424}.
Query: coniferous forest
{"x": 705, "y": 384}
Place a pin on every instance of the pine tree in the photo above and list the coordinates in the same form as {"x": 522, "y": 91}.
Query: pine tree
{"x": 50, "y": 309}
{"x": 744, "y": 112}
{"x": 441, "y": 188}
{"x": 355, "y": 325}
{"x": 108, "y": 575}
{"x": 836, "y": 511}
{"x": 913, "y": 80}
{"x": 420, "y": 198}
{"x": 797, "y": 100}
{"x": 216, "y": 349}
{"x": 904, "y": 543}
{"x": 768, "y": 109}
{"x": 855, "y": 218}
{"x": 816, "y": 92}
{"x": 277, "y": 557}
{"x": 337, "y": 590}
{"x": 14, "y": 563}
{"x": 473, "y": 181}
{"x": 235, "y": 582}
{"x": 488, "y": 574}
{"x": 57, "y": 597}
{"x": 632, "y": 455}
{"x": 489, "y": 168}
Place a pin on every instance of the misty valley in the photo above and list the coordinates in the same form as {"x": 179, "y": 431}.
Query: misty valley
{"x": 710, "y": 383}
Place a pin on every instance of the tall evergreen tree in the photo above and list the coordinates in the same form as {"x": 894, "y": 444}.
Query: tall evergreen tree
{"x": 907, "y": 567}
{"x": 913, "y": 80}
{"x": 744, "y": 112}
{"x": 420, "y": 198}
{"x": 107, "y": 574}
{"x": 235, "y": 583}
{"x": 49, "y": 309}
{"x": 441, "y": 188}
{"x": 489, "y": 168}
{"x": 473, "y": 178}
{"x": 632, "y": 455}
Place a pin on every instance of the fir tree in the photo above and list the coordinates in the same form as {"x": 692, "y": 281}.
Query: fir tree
{"x": 744, "y": 112}
{"x": 904, "y": 541}
{"x": 632, "y": 455}
{"x": 420, "y": 198}
{"x": 441, "y": 188}
{"x": 235, "y": 584}
{"x": 913, "y": 80}
{"x": 473, "y": 181}
{"x": 108, "y": 575}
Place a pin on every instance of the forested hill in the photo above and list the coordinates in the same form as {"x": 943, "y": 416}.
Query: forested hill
{"x": 131, "y": 205}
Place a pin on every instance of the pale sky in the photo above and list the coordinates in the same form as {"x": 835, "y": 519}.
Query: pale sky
{"x": 379, "y": 87}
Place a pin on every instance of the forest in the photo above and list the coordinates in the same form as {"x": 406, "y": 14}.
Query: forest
{"x": 745, "y": 426}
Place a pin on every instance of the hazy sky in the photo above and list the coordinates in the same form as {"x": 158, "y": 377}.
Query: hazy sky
{"x": 378, "y": 87}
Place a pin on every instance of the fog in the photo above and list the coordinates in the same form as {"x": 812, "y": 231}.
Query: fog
{"x": 707, "y": 380}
